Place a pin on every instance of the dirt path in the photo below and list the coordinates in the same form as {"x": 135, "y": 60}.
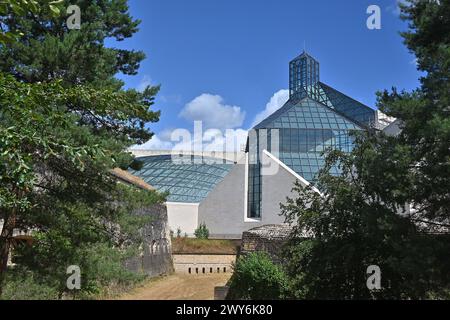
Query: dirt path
{"x": 179, "y": 287}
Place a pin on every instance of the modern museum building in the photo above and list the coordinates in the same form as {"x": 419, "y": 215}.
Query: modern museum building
{"x": 234, "y": 192}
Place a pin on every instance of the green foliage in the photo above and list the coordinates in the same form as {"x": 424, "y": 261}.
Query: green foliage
{"x": 40, "y": 140}
{"x": 425, "y": 113}
{"x": 202, "y": 231}
{"x": 256, "y": 277}
{"x": 48, "y": 50}
{"x": 24, "y": 285}
{"x": 99, "y": 248}
{"x": 65, "y": 122}
{"x": 363, "y": 216}
{"x": 102, "y": 271}
{"x": 339, "y": 235}
{"x": 48, "y": 8}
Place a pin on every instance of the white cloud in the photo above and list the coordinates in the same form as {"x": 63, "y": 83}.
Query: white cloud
{"x": 221, "y": 125}
{"x": 275, "y": 103}
{"x": 229, "y": 140}
{"x": 155, "y": 143}
{"x": 144, "y": 83}
{"x": 213, "y": 112}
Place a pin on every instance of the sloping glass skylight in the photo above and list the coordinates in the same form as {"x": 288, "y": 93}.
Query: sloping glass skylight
{"x": 307, "y": 114}
{"x": 187, "y": 180}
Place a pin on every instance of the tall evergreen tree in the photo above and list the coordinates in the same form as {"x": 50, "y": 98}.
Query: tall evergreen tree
{"x": 65, "y": 122}
{"x": 48, "y": 49}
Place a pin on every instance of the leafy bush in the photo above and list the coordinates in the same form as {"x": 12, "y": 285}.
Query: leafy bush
{"x": 103, "y": 272}
{"x": 23, "y": 285}
{"x": 256, "y": 277}
{"x": 202, "y": 232}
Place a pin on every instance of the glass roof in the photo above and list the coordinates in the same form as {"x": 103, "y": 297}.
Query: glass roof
{"x": 346, "y": 105}
{"x": 307, "y": 114}
{"x": 306, "y": 129}
{"x": 187, "y": 179}
{"x": 314, "y": 119}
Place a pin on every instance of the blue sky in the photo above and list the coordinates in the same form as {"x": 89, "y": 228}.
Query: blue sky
{"x": 230, "y": 58}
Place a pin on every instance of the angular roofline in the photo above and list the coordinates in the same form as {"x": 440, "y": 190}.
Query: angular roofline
{"x": 347, "y": 96}
{"x": 364, "y": 105}
{"x": 306, "y": 54}
{"x": 360, "y": 124}
{"x": 294, "y": 103}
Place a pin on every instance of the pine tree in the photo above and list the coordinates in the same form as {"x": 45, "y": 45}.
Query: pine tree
{"x": 65, "y": 122}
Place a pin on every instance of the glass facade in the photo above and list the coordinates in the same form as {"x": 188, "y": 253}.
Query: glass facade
{"x": 304, "y": 77}
{"x": 302, "y": 150}
{"x": 307, "y": 114}
{"x": 186, "y": 180}
{"x": 315, "y": 118}
{"x": 254, "y": 175}
{"x": 347, "y": 106}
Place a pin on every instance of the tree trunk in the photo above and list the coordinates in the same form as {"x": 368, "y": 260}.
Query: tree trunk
{"x": 5, "y": 245}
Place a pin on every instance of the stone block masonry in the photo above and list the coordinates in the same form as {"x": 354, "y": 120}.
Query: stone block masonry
{"x": 156, "y": 254}
{"x": 268, "y": 238}
{"x": 197, "y": 264}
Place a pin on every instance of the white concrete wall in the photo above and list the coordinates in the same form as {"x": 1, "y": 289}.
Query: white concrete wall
{"x": 224, "y": 210}
{"x": 276, "y": 187}
{"x": 183, "y": 216}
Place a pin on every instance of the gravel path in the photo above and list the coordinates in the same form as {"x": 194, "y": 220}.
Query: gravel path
{"x": 179, "y": 287}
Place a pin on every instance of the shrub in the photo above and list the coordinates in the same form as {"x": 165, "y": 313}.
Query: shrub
{"x": 103, "y": 272}
{"x": 202, "y": 232}
{"x": 256, "y": 277}
{"x": 23, "y": 285}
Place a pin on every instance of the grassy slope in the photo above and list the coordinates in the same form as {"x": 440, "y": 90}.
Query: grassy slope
{"x": 201, "y": 246}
